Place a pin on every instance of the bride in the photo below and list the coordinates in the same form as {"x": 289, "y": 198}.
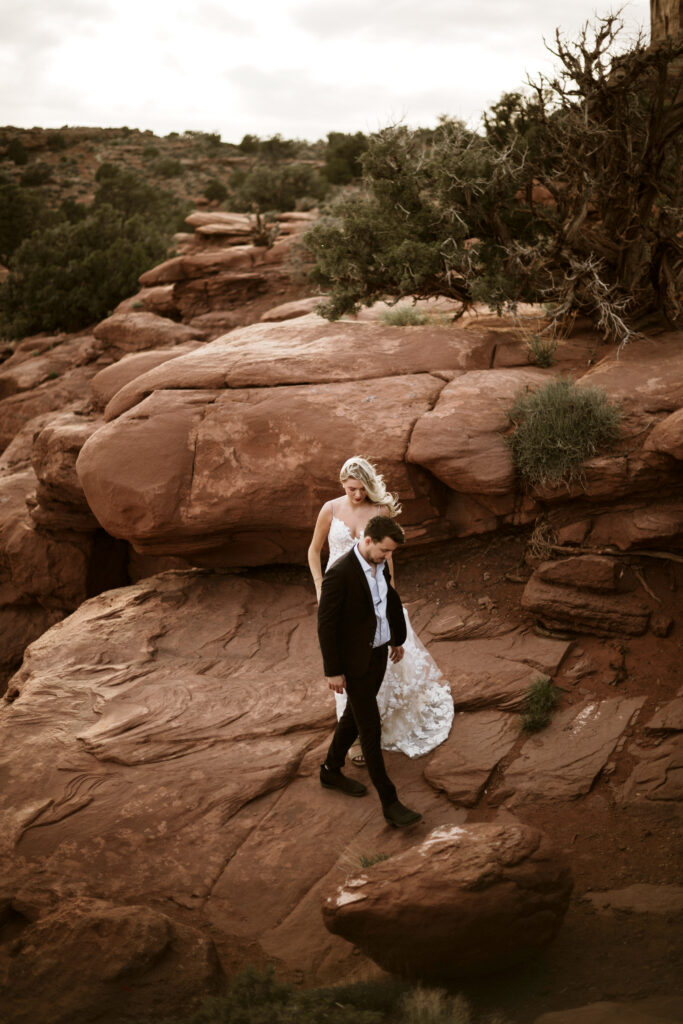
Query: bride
{"x": 415, "y": 704}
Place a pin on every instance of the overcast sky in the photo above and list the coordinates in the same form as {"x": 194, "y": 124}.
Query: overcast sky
{"x": 298, "y": 67}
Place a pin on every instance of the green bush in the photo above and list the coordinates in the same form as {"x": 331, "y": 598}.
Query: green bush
{"x": 166, "y": 167}
{"x": 343, "y": 157}
{"x": 35, "y": 175}
{"x": 541, "y": 700}
{"x": 56, "y": 141}
{"x": 71, "y": 275}
{"x": 542, "y": 350}
{"x": 405, "y": 316}
{"x": 21, "y": 213}
{"x": 215, "y": 190}
{"x": 557, "y": 427}
{"x": 276, "y": 186}
{"x": 17, "y": 153}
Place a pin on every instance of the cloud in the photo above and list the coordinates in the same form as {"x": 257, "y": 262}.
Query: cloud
{"x": 513, "y": 22}
{"x": 217, "y": 19}
{"x": 294, "y": 102}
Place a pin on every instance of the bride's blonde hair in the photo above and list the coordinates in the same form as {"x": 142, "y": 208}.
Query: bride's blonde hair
{"x": 373, "y": 482}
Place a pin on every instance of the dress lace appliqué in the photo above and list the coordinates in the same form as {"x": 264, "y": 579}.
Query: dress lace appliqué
{"x": 414, "y": 701}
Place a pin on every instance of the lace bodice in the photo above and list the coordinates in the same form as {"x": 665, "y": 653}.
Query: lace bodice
{"x": 414, "y": 701}
{"x": 339, "y": 539}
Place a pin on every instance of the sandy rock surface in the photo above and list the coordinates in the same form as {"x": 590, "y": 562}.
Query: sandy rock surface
{"x": 467, "y": 899}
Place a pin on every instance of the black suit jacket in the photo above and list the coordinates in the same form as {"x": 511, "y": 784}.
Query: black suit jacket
{"x": 347, "y": 621}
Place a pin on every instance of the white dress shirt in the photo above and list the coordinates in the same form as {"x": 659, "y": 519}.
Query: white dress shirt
{"x": 378, "y": 589}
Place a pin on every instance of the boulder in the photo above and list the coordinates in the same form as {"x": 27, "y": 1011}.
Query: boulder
{"x": 237, "y": 476}
{"x": 461, "y": 439}
{"x": 466, "y": 900}
{"x": 315, "y": 352}
{"x": 564, "y": 760}
{"x": 132, "y": 332}
{"x": 583, "y": 610}
{"x": 667, "y": 436}
{"x": 158, "y": 299}
{"x": 89, "y": 960}
{"x": 60, "y": 497}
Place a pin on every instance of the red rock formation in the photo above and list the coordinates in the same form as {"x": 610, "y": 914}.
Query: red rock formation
{"x": 466, "y": 900}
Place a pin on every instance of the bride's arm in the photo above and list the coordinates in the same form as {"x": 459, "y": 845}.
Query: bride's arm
{"x": 322, "y": 528}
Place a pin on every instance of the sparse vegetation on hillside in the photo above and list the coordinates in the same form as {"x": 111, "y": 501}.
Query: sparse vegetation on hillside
{"x": 76, "y": 265}
{"x": 572, "y": 197}
{"x": 557, "y": 427}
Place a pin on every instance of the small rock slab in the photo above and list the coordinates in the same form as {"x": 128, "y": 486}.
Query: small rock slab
{"x": 476, "y": 743}
{"x": 585, "y": 611}
{"x": 659, "y": 776}
{"x": 562, "y": 762}
{"x": 497, "y": 672}
{"x": 668, "y": 718}
{"x": 467, "y": 900}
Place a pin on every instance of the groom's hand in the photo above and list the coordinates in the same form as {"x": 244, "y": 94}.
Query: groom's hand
{"x": 395, "y": 654}
{"x": 336, "y": 683}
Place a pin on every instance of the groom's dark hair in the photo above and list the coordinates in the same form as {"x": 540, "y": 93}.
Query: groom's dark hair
{"x": 380, "y": 527}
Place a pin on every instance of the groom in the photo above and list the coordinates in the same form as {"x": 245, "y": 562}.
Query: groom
{"x": 360, "y": 625}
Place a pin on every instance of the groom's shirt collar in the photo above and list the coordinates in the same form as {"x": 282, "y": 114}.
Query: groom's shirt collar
{"x": 378, "y": 592}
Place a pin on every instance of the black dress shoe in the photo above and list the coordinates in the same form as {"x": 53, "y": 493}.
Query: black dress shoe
{"x": 332, "y": 778}
{"x": 399, "y": 816}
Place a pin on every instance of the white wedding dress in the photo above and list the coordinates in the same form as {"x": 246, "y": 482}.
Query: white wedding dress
{"x": 415, "y": 704}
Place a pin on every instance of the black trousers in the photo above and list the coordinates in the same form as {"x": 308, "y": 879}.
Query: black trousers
{"x": 361, "y": 718}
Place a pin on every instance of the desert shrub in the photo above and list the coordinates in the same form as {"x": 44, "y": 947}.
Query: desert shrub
{"x": 249, "y": 144}
{"x": 56, "y": 141}
{"x": 215, "y": 190}
{"x": 166, "y": 167}
{"x": 557, "y": 427}
{"x": 404, "y": 316}
{"x": 71, "y": 275}
{"x": 542, "y": 350}
{"x": 35, "y": 175}
{"x": 276, "y": 187}
{"x": 21, "y": 213}
{"x": 343, "y": 157}
{"x": 150, "y": 151}
{"x": 541, "y": 700}
{"x": 434, "y": 1006}
{"x": 17, "y": 152}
